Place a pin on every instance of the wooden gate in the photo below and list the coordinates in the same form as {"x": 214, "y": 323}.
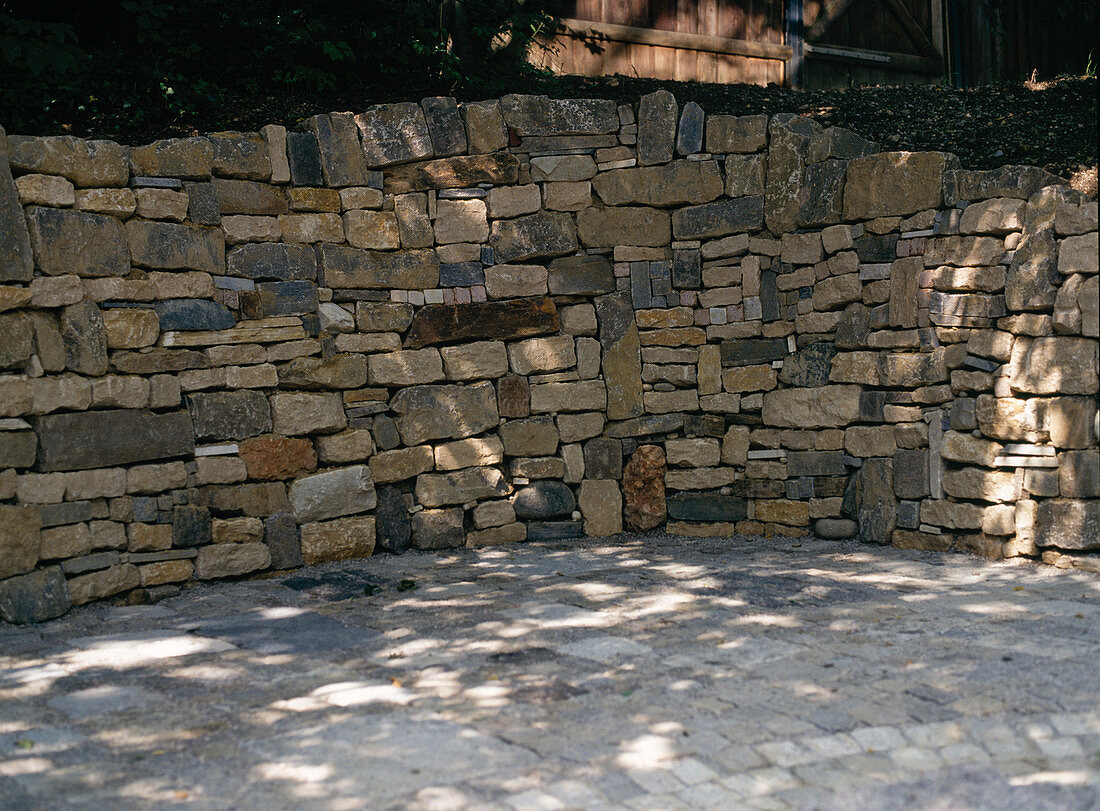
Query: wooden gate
{"x": 815, "y": 43}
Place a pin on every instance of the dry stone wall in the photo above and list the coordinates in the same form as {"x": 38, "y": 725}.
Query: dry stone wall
{"x": 437, "y": 325}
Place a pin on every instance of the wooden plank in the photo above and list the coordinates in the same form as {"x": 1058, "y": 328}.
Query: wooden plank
{"x": 870, "y": 58}
{"x": 687, "y": 18}
{"x": 671, "y": 39}
{"x": 937, "y": 27}
{"x": 708, "y": 17}
{"x": 706, "y": 67}
{"x": 913, "y": 29}
{"x": 831, "y": 10}
{"x": 664, "y": 61}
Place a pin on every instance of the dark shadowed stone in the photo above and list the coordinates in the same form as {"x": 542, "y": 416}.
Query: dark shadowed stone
{"x": 461, "y": 274}
{"x": 271, "y": 260}
{"x": 170, "y": 246}
{"x": 809, "y": 366}
{"x": 603, "y": 458}
{"x": 16, "y": 339}
{"x": 386, "y": 435}
{"x": 656, "y": 127}
{"x": 342, "y": 160}
{"x": 911, "y": 473}
{"x": 769, "y": 295}
{"x": 641, "y": 286}
{"x": 751, "y": 351}
{"x": 588, "y": 275}
{"x": 393, "y": 528}
{"x": 644, "y": 504}
{"x": 621, "y": 361}
{"x": 815, "y": 463}
{"x": 870, "y": 500}
{"x": 34, "y": 597}
{"x": 871, "y": 405}
{"x": 835, "y": 528}
{"x": 503, "y": 320}
{"x": 687, "y": 269}
{"x": 380, "y": 270}
{"x": 284, "y": 298}
{"x": 646, "y": 426}
{"x": 706, "y": 507}
{"x": 554, "y": 530}
{"x": 193, "y": 314}
{"x": 461, "y": 172}
{"x": 202, "y": 204}
{"x": 704, "y": 425}
{"x": 283, "y": 540}
{"x": 513, "y": 396}
{"x": 248, "y": 197}
{"x": 437, "y": 529}
{"x": 877, "y": 248}
{"x": 854, "y": 326}
{"x": 445, "y": 126}
{"x": 909, "y": 514}
{"x": 107, "y": 438}
{"x": 17, "y": 448}
{"x": 228, "y": 415}
{"x": 1068, "y": 524}
{"x": 16, "y": 259}
{"x": 963, "y": 415}
{"x": 536, "y": 236}
{"x": 85, "y": 339}
{"x": 76, "y": 242}
{"x": 191, "y": 526}
{"x": 304, "y": 157}
{"x": 720, "y": 219}
{"x": 823, "y": 194}
{"x": 544, "y": 499}
{"x": 444, "y": 412}
{"x": 689, "y": 138}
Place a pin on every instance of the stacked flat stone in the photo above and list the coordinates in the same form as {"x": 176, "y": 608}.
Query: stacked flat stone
{"x": 439, "y": 325}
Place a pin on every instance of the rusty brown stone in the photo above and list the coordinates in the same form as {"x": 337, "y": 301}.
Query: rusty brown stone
{"x": 269, "y": 458}
{"x": 513, "y": 396}
{"x": 504, "y": 320}
{"x": 644, "y": 488}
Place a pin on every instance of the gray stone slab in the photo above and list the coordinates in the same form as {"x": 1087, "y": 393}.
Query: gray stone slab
{"x": 287, "y": 631}
{"x": 104, "y": 699}
{"x": 116, "y": 437}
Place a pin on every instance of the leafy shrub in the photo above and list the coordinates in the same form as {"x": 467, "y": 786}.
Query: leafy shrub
{"x": 84, "y": 66}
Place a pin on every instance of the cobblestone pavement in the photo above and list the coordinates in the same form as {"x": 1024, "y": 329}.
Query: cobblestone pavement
{"x": 657, "y": 672}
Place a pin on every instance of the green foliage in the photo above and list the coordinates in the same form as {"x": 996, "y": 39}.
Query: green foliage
{"x": 81, "y": 65}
